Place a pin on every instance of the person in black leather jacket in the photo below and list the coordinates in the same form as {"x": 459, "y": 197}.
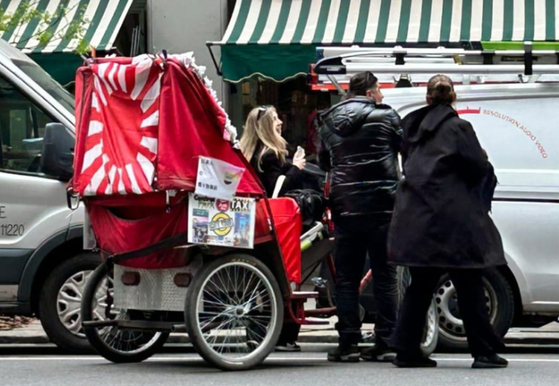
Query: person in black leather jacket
{"x": 361, "y": 138}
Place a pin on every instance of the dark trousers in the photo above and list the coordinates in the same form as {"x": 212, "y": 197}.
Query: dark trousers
{"x": 289, "y": 333}
{"x": 482, "y": 339}
{"x": 353, "y": 241}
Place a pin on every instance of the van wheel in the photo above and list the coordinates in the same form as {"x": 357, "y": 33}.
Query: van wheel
{"x": 499, "y": 302}
{"x": 60, "y": 302}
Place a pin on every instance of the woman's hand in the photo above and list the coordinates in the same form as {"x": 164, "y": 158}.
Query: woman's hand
{"x": 299, "y": 159}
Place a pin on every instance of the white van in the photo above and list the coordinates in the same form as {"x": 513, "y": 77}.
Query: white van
{"x": 518, "y": 126}
{"x": 43, "y": 268}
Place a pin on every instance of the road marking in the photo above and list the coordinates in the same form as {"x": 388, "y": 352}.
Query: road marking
{"x": 272, "y": 358}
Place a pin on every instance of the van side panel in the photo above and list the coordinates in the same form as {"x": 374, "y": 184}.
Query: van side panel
{"x": 12, "y": 263}
{"x": 32, "y": 266}
{"x": 521, "y": 137}
{"x": 529, "y": 232}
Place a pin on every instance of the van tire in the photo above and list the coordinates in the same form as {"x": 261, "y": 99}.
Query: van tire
{"x": 57, "y": 332}
{"x": 499, "y": 289}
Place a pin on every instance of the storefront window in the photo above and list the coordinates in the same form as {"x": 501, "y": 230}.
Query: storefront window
{"x": 296, "y": 103}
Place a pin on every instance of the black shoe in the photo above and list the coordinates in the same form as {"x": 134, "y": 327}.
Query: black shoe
{"x": 492, "y": 362}
{"x": 288, "y": 347}
{"x": 414, "y": 362}
{"x": 378, "y": 354}
{"x": 344, "y": 354}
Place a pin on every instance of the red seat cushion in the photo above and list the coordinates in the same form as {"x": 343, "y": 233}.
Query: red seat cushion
{"x": 289, "y": 224}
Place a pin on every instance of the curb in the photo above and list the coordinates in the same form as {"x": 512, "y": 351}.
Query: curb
{"x": 23, "y": 339}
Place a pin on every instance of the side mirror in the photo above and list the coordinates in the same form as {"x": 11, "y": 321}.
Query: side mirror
{"x": 58, "y": 152}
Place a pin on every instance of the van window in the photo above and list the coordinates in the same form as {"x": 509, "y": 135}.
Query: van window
{"x": 22, "y": 126}
{"x": 51, "y": 86}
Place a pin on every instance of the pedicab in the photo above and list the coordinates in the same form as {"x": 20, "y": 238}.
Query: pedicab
{"x": 189, "y": 240}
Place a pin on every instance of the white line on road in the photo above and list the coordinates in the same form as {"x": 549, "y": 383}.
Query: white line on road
{"x": 279, "y": 359}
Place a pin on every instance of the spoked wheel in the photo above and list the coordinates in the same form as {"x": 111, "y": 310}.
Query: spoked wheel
{"x": 234, "y": 312}
{"x": 431, "y": 330}
{"x": 113, "y": 343}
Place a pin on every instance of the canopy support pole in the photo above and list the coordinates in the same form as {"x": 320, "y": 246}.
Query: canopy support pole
{"x": 210, "y": 45}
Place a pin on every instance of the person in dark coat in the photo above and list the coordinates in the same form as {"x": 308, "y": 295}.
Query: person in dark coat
{"x": 441, "y": 223}
{"x": 360, "y": 139}
{"x": 266, "y": 150}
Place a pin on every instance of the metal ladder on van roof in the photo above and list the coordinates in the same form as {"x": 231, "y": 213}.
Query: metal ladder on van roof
{"x": 336, "y": 65}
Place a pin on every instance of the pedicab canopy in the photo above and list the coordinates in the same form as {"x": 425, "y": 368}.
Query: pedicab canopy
{"x": 143, "y": 123}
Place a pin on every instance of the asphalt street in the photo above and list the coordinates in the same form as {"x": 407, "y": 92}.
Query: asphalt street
{"x": 306, "y": 368}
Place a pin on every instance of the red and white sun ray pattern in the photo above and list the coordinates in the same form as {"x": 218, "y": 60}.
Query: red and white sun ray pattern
{"x": 121, "y": 145}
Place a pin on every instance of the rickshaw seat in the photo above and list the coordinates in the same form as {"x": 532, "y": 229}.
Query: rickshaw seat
{"x": 289, "y": 225}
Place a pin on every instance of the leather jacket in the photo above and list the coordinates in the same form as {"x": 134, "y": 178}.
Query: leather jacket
{"x": 360, "y": 144}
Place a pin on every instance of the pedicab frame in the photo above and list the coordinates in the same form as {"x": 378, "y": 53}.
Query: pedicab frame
{"x": 133, "y": 335}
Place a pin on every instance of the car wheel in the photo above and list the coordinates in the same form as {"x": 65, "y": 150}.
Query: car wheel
{"x": 499, "y": 302}
{"x": 60, "y": 302}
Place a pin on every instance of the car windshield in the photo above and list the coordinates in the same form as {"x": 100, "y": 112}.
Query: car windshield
{"x": 43, "y": 79}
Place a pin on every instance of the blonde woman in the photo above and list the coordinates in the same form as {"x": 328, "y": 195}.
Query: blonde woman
{"x": 265, "y": 148}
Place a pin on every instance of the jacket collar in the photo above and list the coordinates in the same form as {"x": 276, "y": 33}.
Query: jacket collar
{"x": 426, "y": 120}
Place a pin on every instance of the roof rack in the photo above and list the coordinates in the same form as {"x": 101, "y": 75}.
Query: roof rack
{"x": 414, "y": 60}
{"x": 336, "y": 65}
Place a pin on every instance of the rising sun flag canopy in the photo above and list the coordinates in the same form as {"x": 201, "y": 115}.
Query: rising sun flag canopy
{"x": 276, "y": 39}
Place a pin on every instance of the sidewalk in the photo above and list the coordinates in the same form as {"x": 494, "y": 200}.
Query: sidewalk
{"x": 546, "y": 335}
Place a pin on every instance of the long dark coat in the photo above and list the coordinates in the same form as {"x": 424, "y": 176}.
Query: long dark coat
{"x": 441, "y": 217}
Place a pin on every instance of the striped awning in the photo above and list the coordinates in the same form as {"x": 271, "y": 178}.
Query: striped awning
{"x": 103, "y": 19}
{"x": 309, "y": 23}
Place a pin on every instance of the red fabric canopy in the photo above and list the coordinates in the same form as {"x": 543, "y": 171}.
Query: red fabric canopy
{"x": 142, "y": 123}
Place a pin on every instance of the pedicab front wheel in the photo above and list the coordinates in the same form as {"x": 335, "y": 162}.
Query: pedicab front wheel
{"x": 113, "y": 343}
{"x": 234, "y": 312}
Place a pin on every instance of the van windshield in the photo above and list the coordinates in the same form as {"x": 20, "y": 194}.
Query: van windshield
{"x": 43, "y": 79}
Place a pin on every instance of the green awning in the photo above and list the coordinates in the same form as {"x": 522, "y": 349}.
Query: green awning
{"x": 277, "y": 38}
{"x": 61, "y": 66}
{"x": 102, "y": 21}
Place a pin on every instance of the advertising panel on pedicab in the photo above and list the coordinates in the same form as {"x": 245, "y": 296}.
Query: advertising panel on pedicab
{"x": 216, "y": 216}
{"x": 226, "y": 223}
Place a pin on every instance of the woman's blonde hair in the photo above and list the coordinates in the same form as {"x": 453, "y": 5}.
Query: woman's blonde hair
{"x": 260, "y": 126}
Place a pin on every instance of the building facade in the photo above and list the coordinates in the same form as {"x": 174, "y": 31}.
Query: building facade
{"x": 185, "y": 25}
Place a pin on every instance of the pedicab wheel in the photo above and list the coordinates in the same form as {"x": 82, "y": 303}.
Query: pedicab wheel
{"x": 115, "y": 344}
{"x": 234, "y": 312}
